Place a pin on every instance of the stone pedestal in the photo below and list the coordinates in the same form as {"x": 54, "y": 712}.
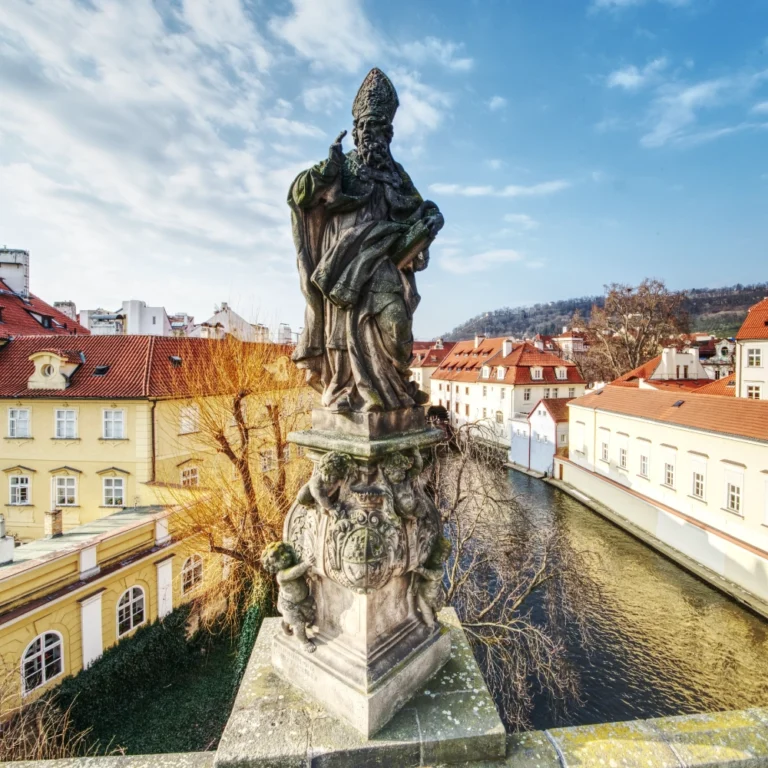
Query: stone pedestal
{"x": 368, "y": 534}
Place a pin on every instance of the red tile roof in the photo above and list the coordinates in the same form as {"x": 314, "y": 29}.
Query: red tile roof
{"x": 755, "y": 326}
{"x": 430, "y": 357}
{"x": 724, "y": 387}
{"x": 646, "y": 370}
{"x": 17, "y": 318}
{"x": 139, "y": 366}
{"x": 465, "y": 363}
{"x": 711, "y": 413}
{"x": 557, "y": 407}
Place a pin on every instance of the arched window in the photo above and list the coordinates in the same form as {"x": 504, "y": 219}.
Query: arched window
{"x": 130, "y": 610}
{"x": 42, "y": 660}
{"x": 191, "y": 573}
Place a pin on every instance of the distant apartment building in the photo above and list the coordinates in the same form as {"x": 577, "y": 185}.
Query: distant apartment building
{"x": 426, "y": 360}
{"x": 571, "y": 343}
{"x": 489, "y": 381}
{"x": 537, "y": 436}
{"x": 673, "y": 369}
{"x": 687, "y": 468}
{"x": 226, "y": 322}
{"x": 134, "y": 318}
{"x": 21, "y": 312}
{"x": 181, "y": 324}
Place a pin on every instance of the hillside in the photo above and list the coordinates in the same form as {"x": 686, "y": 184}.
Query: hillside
{"x": 717, "y": 310}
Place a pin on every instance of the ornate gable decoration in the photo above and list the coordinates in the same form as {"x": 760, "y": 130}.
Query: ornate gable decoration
{"x": 53, "y": 368}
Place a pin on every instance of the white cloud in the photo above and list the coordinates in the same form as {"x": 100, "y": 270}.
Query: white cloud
{"x": 494, "y": 163}
{"x": 332, "y": 34}
{"x": 478, "y": 262}
{"x": 619, "y": 4}
{"x": 323, "y": 98}
{"x": 676, "y": 108}
{"x": 496, "y": 103}
{"x": 432, "y": 49}
{"x": 422, "y": 110}
{"x": 761, "y": 108}
{"x": 511, "y": 190}
{"x": 632, "y": 79}
{"x": 522, "y": 221}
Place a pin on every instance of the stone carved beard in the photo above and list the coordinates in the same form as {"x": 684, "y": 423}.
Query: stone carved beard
{"x": 373, "y": 148}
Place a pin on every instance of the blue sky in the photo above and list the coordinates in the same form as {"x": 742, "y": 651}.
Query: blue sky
{"x": 146, "y": 148}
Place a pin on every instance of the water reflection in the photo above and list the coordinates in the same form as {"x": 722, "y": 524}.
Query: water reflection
{"x": 665, "y": 643}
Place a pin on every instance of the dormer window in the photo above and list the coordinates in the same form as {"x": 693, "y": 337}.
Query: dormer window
{"x": 537, "y": 373}
{"x": 561, "y": 373}
{"x": 486, "y": 371}
{"x": 53, "y": 368}
{"x": 500, "y": 372}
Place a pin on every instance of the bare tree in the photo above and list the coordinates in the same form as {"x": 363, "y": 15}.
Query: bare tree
{"x": 630, "y": 328}
{"x": 247, "y": 399}
{"x": 36, "y": 729}
{"x": 506, "y": 566}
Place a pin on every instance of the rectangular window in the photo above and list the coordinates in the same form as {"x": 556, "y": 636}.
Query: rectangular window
{"x": 18, "y": 422}
{"x": 669, "y": 475}
{"x": 754, "y": 358}
{"x": 466, "y": 390}
{"x": 113, "y": 424}
{"x": 113, "y": 491}
{"x": 499, "y": 417}
{"x": 457, "y": 389}
{"x": 685, "y": 371}
{"x": 188, "y": 418}
{"x": 190, "y": 477}
{"x": 485, "y": 391}
{"x": 643, "y": 466}
{"x": 485, "y": 413}
{"x": 604, "y": 451}
{"x": 623, "y": 458}
{"x": 466, "y": 410}
{"x": 66, "y": 423}
{"x": 267, "y": 459}
{"x": 65, "y": 491}
{"x": 563, "y": 437}
{"x": 571, "y": 391}
{"x": 503, "y": 392}
{"x": 698, "y": 485}
{"x": 733, "y": 498}
{"x": 457, "y": 407}
{"x": 753, "y": 391}
{"x": 527, "y": 394}
{"x": 19, "y": 489}
{"x": 555, "y": 392}
{"x": 546, "y": 393}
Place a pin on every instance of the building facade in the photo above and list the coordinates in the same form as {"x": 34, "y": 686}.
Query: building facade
{"x": 66, "y": 598}
{"x": 536, "y": 437}
{"x": 490, "y": 381}
{"x": 752, "y": 354}
{"x": 133, "y": 318}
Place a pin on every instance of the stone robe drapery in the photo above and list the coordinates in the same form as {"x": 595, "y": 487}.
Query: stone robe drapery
{"x": 347, "y": 222}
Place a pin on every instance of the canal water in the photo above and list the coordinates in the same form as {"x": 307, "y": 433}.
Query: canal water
{"x": 664, "y": 642}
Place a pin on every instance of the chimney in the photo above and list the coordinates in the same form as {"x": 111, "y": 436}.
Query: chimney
{"x": 478, "y": 340}
{"x": 438, "y": 343}
{"x": 53, "y": 524}
{"x": 506, "y": 347}
{"x": 7, "y": 544}
{"x": 565, "y": 329}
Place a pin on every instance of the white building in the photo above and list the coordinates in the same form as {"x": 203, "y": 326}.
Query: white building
{"x": 673, "y": 369}
{"x": 571, "y": 343}
{"x": 489, "y": 381}
{"x": 226, "y": 322}
{"x": 536, "y": 437}
{"x": 284, "y": 334}
{"x": 134, "y": 318}
{"x": 686, "y": 471}
{"x": 752, "y": 354}
{"x": 426, "y": 361}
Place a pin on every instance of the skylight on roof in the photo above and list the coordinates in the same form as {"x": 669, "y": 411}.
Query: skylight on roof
{"x": 100, "y": 370}
{"x": 175, "y": 361}
{"x": 678, "y": 403}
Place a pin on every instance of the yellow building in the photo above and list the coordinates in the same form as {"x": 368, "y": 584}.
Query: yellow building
{"x": 64, "y": 599}
{"x": 84, "y": 417}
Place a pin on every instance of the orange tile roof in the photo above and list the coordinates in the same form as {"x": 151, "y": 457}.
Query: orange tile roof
{"x": 465, "y": 363}
{"x": 139, "y": 366}
{"x": 430, "y": 357}
{"x": 724, "y": 387}
{"x": 16, "y": 318}
{"x": 734, "y": 416}
{"x": 755, "y": 325}
{"x": 557, "y": 407}
{"x": 644, "y": 371}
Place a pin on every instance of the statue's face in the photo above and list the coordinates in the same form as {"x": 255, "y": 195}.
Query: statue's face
{"x": 372, "y": 137}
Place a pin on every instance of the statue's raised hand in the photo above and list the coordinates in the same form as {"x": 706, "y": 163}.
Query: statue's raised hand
{"x": 336, "y": 152}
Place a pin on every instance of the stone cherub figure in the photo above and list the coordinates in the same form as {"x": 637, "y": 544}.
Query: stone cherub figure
{"x": 361, "y": 231}
{"x": 401, "y": 471}
{"x": 427, "y": 585}
{"x": 323, "y": 487}
{"x": 295, "y": 603}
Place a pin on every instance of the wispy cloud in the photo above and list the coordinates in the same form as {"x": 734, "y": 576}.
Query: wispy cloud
{"x": 478, "y": 262}
{"x": 496, "y": 103}
{"x": 761, "y": 108}
{"x": 632, "y": 78}
{"x": 521, "y": 221}
{"x": 621, "y": 4}
{"x": 511, "y": 190}
{"x": 431, "y": 49}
